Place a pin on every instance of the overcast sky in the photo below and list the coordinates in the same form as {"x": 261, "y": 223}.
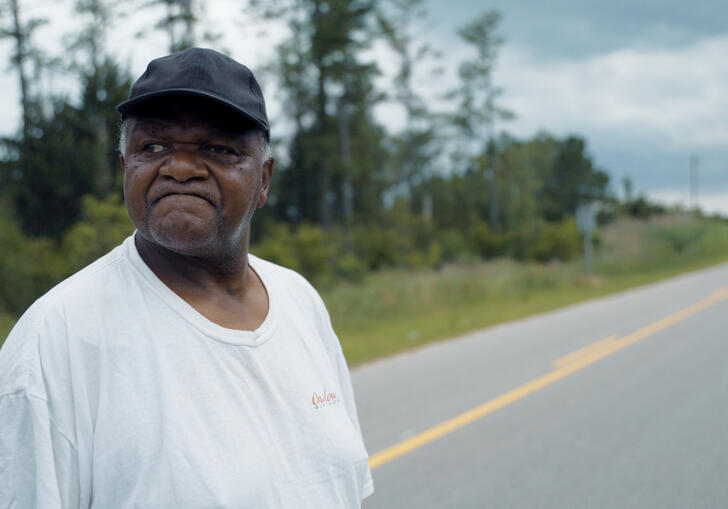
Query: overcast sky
{"x": 646, "y": 83}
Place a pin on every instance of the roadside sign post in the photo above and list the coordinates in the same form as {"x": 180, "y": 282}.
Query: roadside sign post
{"x": 586, "y": 215}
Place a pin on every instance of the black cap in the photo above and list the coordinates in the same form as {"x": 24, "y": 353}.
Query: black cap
{"x": 202, "y": 73}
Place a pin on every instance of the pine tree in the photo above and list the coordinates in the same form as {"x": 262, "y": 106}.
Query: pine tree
{"x": 334, "y": 172}
{"x": 25, "y": 55}
{"x": 477, "y": 98}
{"x": 100, "y": 79}
{"x": 180, "y": 21}
{"x": 91, "y": 40}
{"x": 415, "y": 147}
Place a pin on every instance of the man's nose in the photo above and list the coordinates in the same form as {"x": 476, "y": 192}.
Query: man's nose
{"x": 183, "y": 165}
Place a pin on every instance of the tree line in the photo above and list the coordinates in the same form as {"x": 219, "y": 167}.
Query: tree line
{"x": 349, "y": 195}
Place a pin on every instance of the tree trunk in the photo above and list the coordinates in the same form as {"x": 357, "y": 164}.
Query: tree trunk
{"x": 188, "y": 16}
{"x": 321, "y": 99}
{"x": 20, "y": 57}
{"x": 347, "y": 187}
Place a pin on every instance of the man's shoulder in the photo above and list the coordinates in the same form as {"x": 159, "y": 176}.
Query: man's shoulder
{"x": 281, "y": 275}
{"x": 95, "y": 286}
{"x": 44, "y": 326}
{"x": 94, "y": 281}
{"x": 299, "y": 292}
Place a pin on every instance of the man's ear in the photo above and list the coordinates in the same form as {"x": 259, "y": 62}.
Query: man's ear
{"x": 266, "y": 177}
{"x": 123, "y": 163}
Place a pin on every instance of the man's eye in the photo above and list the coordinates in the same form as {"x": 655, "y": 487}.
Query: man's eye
{"x": 153, "y": 148}
{"x": 220, "y": 150}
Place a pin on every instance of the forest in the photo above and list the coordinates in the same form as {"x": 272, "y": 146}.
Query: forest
{"x": 351, "y": 195}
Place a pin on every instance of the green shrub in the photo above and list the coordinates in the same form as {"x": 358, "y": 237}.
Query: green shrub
{"x": 6, "y": 324}
{"x": 607, "y": 214}
{"x": 643, "y": 209}
{"x": 313, "y": 250}
{"x": 305, "y": 249}
{"x": 681, "y": 237}
{"x": 559, "y": 241}
{"x": 379, "y": 247}
{"x": 430, "y": 257}
{"x": 349, "y": 267}
{"x": 28, "y": 267}
{"x": 104, "y": 225}
{"x": 454, "y": 245}
{"x": 521, "y": 239}
{"x": 487, "y": 243}
{"x": 276, "y": 246}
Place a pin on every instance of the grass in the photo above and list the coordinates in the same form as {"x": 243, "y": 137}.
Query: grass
{"x": 399, "y": 310}
{"x": 396, "y": 310}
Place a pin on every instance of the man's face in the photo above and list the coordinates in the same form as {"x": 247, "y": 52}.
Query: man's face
{"x": 193, "y": 178}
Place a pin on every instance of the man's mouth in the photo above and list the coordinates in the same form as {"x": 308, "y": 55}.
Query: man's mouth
{"x": 188, "y": 195}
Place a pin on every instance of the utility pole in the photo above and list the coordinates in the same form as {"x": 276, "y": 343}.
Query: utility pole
{"x": 694, "y": 163}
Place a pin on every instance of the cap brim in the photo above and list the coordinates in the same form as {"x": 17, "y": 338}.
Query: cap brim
{"x": 127, "y": 107}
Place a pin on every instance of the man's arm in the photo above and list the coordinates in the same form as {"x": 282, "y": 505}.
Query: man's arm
{"x": 38, "y": 461}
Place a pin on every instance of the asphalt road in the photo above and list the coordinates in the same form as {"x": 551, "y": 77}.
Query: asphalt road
{"x": 512, "y": 417}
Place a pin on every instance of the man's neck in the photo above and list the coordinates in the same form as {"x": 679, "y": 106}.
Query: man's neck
{"x": 223, "y": 289}
{"x": 197, "y": 277}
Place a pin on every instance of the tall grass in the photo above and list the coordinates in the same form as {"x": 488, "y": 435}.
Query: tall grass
{"x": 396, "y": 310}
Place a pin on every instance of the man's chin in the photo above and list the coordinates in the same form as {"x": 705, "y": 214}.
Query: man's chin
{"x": 187, "y": 241}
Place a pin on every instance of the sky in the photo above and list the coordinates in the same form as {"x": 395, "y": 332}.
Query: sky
{"x": 645, "y": 83}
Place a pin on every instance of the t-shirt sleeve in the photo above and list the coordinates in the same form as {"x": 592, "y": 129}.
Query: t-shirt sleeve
{"x": 38, "y": 462}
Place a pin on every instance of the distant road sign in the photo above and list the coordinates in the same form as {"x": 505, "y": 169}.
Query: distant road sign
{"x": 586, "y": 217}
{"x": 586, "y": 221}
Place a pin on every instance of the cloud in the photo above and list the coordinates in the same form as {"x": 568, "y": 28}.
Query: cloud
{"x": 676, "y": 97}
{"x": 644, "y": 111}
{"x": 576, "y": 29}
{"x": 710, "y": 202}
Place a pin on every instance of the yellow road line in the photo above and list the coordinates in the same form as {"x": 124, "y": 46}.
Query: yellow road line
{"x": 586, "y": 357}
{"x": 587, "y": 351}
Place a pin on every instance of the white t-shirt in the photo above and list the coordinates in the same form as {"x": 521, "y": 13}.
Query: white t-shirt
{"x": 115, "y": 393}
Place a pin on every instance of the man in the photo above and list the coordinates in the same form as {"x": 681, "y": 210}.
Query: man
{"x": 178, "y": 370}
